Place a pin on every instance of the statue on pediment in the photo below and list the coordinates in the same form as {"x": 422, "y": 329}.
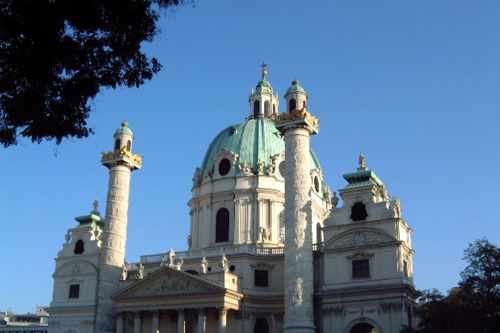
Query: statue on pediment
{"x": 171, "y": 258}
{"x": 204, "y": 265}
{"x": 140, "y": 272}
{"x": 124, "y": 271}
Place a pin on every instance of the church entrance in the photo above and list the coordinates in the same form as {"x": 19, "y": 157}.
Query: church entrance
{"x": 363, "y": 328}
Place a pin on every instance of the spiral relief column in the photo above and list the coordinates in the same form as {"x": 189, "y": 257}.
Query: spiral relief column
{"x": 121, "y": 162}
{"x": 297, "y": 125}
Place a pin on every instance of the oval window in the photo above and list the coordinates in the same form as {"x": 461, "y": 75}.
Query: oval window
{"x": 316, "y": 184}
{"x": 281, "y": 167}
{"x": 224, "y": 167}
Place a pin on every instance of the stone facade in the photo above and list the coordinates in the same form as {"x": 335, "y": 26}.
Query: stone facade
{"x": 269, "y": 250}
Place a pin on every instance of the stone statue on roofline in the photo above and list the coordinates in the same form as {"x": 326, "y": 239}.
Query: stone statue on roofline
{"x": 224, "y": 263}
{"x": 171, "y": 258}
{"x": 140, "y": 273}
{"x": 204, "y": 265}
{"x": 362, "y": 162}
{"x": 124, "y": 271}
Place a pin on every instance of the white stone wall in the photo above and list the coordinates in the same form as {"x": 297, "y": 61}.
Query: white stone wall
{"x": 385, "y": 240}
{"x": 78, "y": 269}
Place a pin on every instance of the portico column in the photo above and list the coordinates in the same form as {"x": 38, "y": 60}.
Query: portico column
{"x": 201, "y": 321}
{"x": 180, "y": 321}
{"x": 119, "y": 323}
{"x": 222, "y": 320}
{"x": 137, "y": 322}
{"x": 247, "y": 325}
{"x": 155, "y": 326}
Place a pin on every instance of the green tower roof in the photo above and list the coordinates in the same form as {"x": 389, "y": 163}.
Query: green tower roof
{"x": 124, "y": 129}
{"x": 362, "y": 177}
{"x": 295, "y": 88}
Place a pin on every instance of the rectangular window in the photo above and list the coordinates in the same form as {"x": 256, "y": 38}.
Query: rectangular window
{"x": 361, "y": 268}
{"x": 405, "y": 268}
{"x": 74, "y": 291}
{"x": 261, "y": 278}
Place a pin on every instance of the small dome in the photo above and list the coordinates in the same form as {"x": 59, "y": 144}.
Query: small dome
{"x": 124, "y": 129}
{"x": 295, "y": 88}
{"x": 253, "y": 140}
{"x": 264, "y": 87}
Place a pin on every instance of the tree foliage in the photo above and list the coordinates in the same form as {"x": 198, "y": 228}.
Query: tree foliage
{"x": 56, "y": 55}
{"x": 473, "y": 306}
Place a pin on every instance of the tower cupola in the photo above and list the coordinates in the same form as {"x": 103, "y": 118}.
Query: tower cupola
{"x": 263, "y": 101}
{"x": 123, "y": 137}
{"x": 296, "y": 97}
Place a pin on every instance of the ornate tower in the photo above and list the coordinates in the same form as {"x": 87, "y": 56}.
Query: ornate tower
{"x": 120, "y": 162}
{"x": 297, "y": 125}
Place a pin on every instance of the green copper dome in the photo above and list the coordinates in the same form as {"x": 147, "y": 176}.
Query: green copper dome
{"x": 295, "y": 88}
{"x": 264, "y": 87}
{"x": 124, "y": 129}
{"x": 253, "y": 140}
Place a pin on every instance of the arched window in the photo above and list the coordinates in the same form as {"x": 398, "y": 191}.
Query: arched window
{"x": 222, "y": 226}
{"x": 274, "y": 108}
{"x": 261, "y": 325}
{"x": 129, "y": 145}
{"x": 363, "y": 328}
{"x": 117, "y": 144}
{"x": 358, "y": 212}
{"x": 292, "y": 105}
{"x": 316, "y": 184}
{"x": 256, "y": 108}
{"x": 267, "y": 108}
{"x": 79, "y": 247}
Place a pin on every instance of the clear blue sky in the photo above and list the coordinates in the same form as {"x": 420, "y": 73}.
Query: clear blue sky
{"x": 415, "y": 85}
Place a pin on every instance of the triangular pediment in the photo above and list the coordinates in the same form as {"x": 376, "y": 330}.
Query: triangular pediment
{"x": 167, "y": 281}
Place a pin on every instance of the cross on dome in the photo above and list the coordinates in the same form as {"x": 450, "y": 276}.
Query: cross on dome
{"x": 264, "y": 71}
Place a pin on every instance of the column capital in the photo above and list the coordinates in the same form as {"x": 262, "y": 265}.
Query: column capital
{"x": 223, "y": 309}
{"x": 297, "y": 119}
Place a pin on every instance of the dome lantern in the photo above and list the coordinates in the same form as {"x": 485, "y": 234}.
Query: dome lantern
{"x": 263, "y": 101}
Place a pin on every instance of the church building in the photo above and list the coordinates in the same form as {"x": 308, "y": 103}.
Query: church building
{"x": 269, "y": 250}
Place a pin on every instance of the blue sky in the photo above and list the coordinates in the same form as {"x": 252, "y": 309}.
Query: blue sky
{"x": 415, "y": 85}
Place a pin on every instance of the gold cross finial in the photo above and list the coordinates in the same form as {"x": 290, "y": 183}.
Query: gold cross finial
{"x": 264, "y": 71}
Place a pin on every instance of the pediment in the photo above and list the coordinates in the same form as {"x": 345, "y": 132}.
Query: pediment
{"x": 359, "y": 237}
{"x": 75, "y": 267}
{"x": 166, "y": 282}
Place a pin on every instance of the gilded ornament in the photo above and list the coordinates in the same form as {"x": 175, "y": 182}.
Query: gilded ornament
{"x": 297, "y": 114}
